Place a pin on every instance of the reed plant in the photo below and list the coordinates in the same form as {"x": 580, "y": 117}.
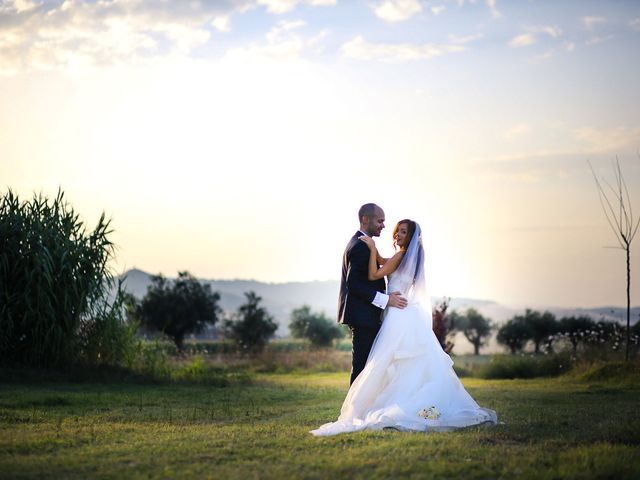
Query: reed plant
{"x": 59, "y": 302}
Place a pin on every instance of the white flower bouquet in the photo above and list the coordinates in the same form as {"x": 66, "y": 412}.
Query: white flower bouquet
{"x": 430, "y": 413}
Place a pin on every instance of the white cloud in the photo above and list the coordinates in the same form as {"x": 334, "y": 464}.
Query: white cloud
{"x": 438, "y": 9}
{"x": 635, "y": 24}
{"x": 278, "y": 6}
{"x": 282, "y": 43}
{"x": 397, "y": 10}
{"x": 221, "y": 23}
{"x": 595, "y": 40}
{"x": 494, "y": 9}
{"x": 608, "y": 140}
{"x": 523, "y": 40}
{"x": 591, "y": 22}
{"x": 553, "y": 32}
{"x": 518, "y": 130}
{"x": 461, "y": 40}
{"x": 85, "y": 34}
{"x": 283, "y": 6}
{"x": 531, "y": 36}
{"x": 359, "y": 48}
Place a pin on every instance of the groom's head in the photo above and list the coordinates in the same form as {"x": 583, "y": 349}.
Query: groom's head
{"x": 371, "y": 219}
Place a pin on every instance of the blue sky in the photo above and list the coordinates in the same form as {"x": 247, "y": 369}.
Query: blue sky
{"x": 237, "y": 139}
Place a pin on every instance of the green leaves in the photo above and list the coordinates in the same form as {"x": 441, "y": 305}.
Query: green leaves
{"x": 57, "y": 293}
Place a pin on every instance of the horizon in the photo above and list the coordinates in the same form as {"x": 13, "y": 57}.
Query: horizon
{"x": 238, "y": 139}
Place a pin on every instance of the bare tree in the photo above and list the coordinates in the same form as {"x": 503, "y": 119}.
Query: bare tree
{"x": 616, "y": 204}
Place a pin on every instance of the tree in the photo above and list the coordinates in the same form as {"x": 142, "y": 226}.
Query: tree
{"x": 542, "y": 327}
{"x": 252, "y": 326}
{"x": 616, "y": 204}
{"x": 576, "y": 328}
{"x": 315, "y": 327}
{"x": 178, "y": 307}
{"x": 443, "y": 324}
{"x": 514, "y": 334}
{"x": 475, "y": 327}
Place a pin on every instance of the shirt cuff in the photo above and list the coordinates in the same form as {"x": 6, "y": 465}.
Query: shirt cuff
{"x": 381, "y": 300}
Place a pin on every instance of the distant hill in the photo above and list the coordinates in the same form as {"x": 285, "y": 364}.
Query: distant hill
{"x": 281, "y": 298}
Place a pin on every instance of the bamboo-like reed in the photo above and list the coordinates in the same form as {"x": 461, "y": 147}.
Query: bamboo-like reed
{"x": 57, "y": 305}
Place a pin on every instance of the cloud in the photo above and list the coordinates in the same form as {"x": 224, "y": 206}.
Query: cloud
{"x": 591, "y": 22}
{"x": 518, "y": 130}
{"x": 221, "y": 23}
{"x": 78, "y": 34}
{"x": 283, "y": 6}
{"x": 522, "y": 40}
{"x": 282, "y": 43}
{"x": 532, "y": 34}
{"x": 397, "y": 10}
{"x": 358, "y": 48}
{"x": 493, "y": 8}
{"x": 438, "y": 9}
{"x": 608, "y": 140}
{"x": 461, "y": 40}
{"x": 635, "y": 24}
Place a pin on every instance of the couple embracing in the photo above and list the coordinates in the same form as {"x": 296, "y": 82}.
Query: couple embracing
{"x": 401, "y": 378}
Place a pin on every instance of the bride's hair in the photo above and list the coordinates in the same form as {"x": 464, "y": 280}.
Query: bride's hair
{"x": 411, "y": 228}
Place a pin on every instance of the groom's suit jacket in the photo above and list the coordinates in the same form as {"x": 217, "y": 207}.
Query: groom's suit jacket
{"x": 356, "y": 290}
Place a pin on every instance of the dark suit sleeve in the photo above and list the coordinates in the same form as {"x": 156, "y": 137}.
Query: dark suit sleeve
{"x": 358, "y": 283}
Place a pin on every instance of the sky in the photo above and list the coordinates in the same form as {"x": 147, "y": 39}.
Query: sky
{"x": 237, "y": 139}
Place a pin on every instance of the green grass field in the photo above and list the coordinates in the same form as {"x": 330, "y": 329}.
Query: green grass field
{"x": 562, "y": 427}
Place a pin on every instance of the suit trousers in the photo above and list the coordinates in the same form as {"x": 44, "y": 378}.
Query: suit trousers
{"x": 362, "y": 340}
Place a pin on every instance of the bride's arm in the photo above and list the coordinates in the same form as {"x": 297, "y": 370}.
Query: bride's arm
{"x": 389, "y": 266}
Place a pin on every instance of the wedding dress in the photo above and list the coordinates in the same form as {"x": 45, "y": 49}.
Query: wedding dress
{"x": 407, "y": 371}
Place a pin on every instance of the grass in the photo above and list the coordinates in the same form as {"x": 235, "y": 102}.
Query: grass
{"x": 581, "y": 426}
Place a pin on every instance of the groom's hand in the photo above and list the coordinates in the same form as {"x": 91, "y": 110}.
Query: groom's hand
{"x": 397, "y": 300}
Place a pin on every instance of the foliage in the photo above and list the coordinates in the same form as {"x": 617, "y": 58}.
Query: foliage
{"x": 59, "y": 303}
{"x": 542, "y": 327}
{"x": 575, "y": 329}
{"x": 475, "y": 327}
{"x": 178, "y": 307}
{"x": 252, "y": 326}
{"x": 443, "y": 325}
{"x": 514, "y": 334}
{"x": 526, "y": 366}
{"x": 315, "y": 327}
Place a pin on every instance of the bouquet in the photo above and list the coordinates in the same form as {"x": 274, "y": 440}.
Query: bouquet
{"x": 430, "y": 413}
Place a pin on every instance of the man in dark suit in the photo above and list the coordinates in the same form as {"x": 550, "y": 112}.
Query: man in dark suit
{"x": 362, "y": 301}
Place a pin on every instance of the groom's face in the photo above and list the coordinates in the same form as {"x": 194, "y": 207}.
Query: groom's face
{"x": 376, "y": 223}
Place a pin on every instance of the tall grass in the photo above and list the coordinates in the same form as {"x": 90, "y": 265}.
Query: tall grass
{"x": 56, "y": 302}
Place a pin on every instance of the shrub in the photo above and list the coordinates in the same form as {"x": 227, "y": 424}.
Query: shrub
{"x": 57, "y": 300}
{"x": 252, "y": 326}
{"x": 315, "y": 327}
{"x": 526, "y": 366}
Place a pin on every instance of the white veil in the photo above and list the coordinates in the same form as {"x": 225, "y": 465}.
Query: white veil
{"x": 409, "y": 277}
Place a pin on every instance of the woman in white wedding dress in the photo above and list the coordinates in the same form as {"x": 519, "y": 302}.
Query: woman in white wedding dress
{"x": 408, "y": 382}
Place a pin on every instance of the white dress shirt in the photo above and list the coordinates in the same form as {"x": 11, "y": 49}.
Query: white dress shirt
{"x": 381, "y": 299}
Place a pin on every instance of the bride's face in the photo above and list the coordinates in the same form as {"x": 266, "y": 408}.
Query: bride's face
{"x": 401, "y": 235}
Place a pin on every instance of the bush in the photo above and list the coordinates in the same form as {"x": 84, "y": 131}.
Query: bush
{"x": 251, "y": 327}
{"x": 512, "y": 366}
{"x": 315, "y": 327}
{"x": 57, "y": 303}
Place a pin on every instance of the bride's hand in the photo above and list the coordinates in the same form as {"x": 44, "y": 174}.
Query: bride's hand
{"x": 369, "y": 241}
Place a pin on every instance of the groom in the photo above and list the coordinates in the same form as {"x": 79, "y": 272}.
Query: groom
{"x": 362, "y": 301}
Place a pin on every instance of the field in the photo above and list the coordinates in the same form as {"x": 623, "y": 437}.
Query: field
{"x": 257, "y": 427}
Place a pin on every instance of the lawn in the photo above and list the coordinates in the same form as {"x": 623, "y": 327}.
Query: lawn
{"x": 553, "y": 428}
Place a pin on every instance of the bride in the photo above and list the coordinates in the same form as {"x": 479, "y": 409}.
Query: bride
{"x": 408, "y": 382}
